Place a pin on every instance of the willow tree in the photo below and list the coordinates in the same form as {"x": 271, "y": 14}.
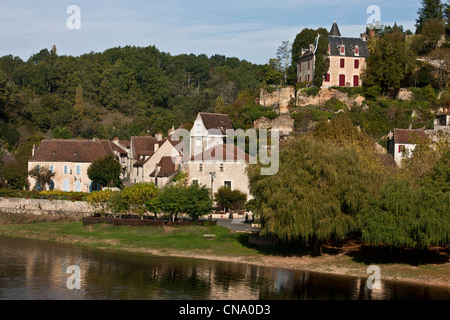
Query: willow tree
{"x": 405, "y": 216}
{"x": 316, "y": 194}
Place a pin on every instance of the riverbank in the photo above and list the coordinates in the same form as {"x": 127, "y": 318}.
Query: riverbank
{"x": 429, "y": 268}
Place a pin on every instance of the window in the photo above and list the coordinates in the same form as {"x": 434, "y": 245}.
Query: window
{"x": 198, "y": 128}
{"x": 309, "y": 64}
{"x": 356, "y": 81}
{"x": 342, "y": 49}
{"x": 200, "y": 167}
{"x": 66, "y": 169}
{"x": 198, "y": 142}
{"x": 227, "y": 184}
{"x": 356, "y": 51}
{"x": 38, "y": 168}
{"x": 78, "y": 169}
{"x": 221, "y": 167}
{"x": 195, "y": 182}
{"x": 327, "y": 77}
{"x": 52, "y": 169}
{"x": 342, "y": 80}
{"x": 342, "y": 63}
{"x": 356, "y": 64}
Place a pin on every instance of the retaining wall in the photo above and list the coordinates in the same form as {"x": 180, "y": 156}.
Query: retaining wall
{"x": 45, "y": 206}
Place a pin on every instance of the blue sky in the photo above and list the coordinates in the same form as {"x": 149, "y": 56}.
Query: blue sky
{"x": 246, "y": 29}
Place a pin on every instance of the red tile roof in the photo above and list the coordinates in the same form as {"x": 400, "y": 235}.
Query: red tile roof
{"x": 71, "y": 150}
{"x": 225, "y": 152}
{"x": 166, "y": 167}
{"x": 409, "y": 136}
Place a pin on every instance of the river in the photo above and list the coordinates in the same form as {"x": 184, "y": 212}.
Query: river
{"x": 37, "y": 270}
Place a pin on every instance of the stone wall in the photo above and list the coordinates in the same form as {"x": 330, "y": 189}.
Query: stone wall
{"x": 326, "y": 94}
{"x": 284, "y": 123}
{"x": 279, "y": 98}
{"x": 42, "y": 206}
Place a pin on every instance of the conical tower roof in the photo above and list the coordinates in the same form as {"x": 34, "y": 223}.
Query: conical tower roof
{"x": 335, "y": 30}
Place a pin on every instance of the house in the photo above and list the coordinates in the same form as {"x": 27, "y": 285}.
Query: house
{"x": 403, "y": 141}
{"x": 219, "y": 165}
{"x": 347, "y": 60}
{"x": 69, "y": 160}
{"x": 209, "y": 129}
{"x": 122, "y": 150}
{"x": 154, "y": 159}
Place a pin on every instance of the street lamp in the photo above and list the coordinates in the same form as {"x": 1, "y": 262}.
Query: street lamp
{"x": 213, "y": 176}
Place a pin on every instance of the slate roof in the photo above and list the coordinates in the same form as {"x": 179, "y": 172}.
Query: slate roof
{"x": 335, "y": 30}
{"x": 350, "y": 44}
{"x": 409, "y": 136}
{"x": 60, "y": 150}
{"x": 216, "y": 121}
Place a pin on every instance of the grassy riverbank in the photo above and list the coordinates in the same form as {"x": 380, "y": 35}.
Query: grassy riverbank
{"x": 431, "y": 267}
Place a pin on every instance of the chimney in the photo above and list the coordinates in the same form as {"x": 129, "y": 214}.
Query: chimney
{"x": 311, "y": 47}
{"x": 158, "y": 136}
{"x": 33, "y": 150}
{"x": 171, "y": 130}
{"x": 116, "y": 140}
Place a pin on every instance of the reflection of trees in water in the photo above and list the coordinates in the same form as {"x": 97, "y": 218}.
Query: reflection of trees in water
{"x": 39, "y": 269}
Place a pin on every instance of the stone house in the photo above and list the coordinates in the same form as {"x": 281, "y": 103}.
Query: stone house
{"x": 209, "y": 129}
{"x": 347, "y": 60}
{"x": 69, "y": 160}
{"x": 220, "y": 165}
{"x": 403, "y": 141}
{"x": 154, "y": 159}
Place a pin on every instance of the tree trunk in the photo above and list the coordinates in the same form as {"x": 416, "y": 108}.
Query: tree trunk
{"x": 317, "y": 246}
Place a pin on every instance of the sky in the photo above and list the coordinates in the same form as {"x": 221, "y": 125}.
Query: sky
{"x": 250, "y": 30}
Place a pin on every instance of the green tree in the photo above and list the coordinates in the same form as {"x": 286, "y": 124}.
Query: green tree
{"x": 302, "y": 41}
{"x": 138, "y": 195}
{"x": 171, "y": 200}
{"x": 316, "y": 194}
{"x": 98, "y": 200}
{"x": 390, "y": 64}
{"x": 198, "y": 201}
{"x": 405, "y": 216}
{"x": 230, "y": 199}
{"x": 431, "y": 9}
{"x": 106, "y": 172}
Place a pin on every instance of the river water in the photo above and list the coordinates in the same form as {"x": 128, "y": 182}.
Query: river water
{"x": 37, "y": 270}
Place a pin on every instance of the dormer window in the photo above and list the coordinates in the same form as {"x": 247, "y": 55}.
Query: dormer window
{"x": 342, "y": 49}
{"x": 356, "y": 51}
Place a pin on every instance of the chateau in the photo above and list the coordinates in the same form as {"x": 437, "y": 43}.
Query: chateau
{"x": 347, "y": 59}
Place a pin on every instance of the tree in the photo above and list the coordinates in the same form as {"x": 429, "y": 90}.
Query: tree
{"x": 391, "y": 62}
{"x": 42, "y": 175}
{"x": 431, "y": 9}
{"x": 198, "y": 201}
{"x": 137, "y": 196}
{"x": 315, "y": 196}
{"x": 98, "y": 200}
{"x": 230, "y": 199}
{"x": 405, "y": 216}
{"x": 302, "y": 41}
{"x": 284, "y": 57}
{"x": 106, "y": 172}
{"x": 171, "y": 200}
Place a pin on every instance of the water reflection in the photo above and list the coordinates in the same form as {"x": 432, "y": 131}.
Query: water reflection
{"x": 37, "y": 270}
